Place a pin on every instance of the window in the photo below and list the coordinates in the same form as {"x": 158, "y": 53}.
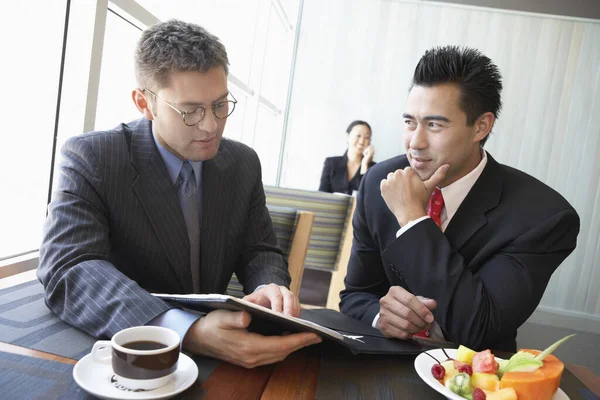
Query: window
{"x": 29, "y": 103}
{"x": 267, "y": 143}
{"x": 117, "y": 73}
{"x": 278, "y": 56}
{"x": 98, "y": 78}
{"x": 235, "y": 123}
{"x": 232, "y": 21}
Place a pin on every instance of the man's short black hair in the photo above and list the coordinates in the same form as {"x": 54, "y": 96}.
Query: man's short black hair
{"x": 476, "y": 75}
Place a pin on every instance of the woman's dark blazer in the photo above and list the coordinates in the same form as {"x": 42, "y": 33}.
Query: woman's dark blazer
{"x": 334, "y": 178}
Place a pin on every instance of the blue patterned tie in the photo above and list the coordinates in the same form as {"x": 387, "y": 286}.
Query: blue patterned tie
{"x": 188, "y": 198}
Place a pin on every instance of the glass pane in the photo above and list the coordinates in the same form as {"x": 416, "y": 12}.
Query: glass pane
{"x": 291, "y": 8}
{"x": 31, "y": 75}
{"x": 233, "y": 21}
{"x": 235, "y": 122}
{"x": 276, "y": 69}
{"x": 117, "y": 74}
{"x": 267, "y": 143}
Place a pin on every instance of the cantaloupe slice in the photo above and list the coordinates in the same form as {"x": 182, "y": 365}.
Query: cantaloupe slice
{"x": 502, "y": 394}
{"x": 537, "y": 385}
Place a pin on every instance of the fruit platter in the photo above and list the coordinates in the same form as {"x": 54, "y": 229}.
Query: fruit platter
{"x": 466, "y": 374}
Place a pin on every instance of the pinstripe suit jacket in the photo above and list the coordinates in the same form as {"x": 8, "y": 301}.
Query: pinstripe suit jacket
{"x": 115, "y": 230}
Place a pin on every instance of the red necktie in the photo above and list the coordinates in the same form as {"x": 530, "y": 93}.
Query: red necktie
{"x": 434, "y": 210}
{"x": 436, "y": 203}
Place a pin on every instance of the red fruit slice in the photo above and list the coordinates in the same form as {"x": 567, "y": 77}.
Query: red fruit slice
{"x": 484, "y": 361}
{"x": 438, "y": 371}
{"x": 478, "y": 394}
{"x": 466, "y": 369}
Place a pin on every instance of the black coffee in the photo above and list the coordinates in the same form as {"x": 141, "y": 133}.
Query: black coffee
{"x": 144, "y": 345}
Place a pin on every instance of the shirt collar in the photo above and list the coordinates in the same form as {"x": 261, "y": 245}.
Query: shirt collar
{"x": 174, "y": 163}
{"x": 455, "y": 193}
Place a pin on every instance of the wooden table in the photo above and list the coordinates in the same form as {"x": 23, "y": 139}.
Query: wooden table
{"x": 294, "y": 378}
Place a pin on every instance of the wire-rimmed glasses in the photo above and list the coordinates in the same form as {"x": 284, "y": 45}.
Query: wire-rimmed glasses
{"x": 221, "y": 110}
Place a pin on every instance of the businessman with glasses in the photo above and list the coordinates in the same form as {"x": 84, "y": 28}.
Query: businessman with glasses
{"x": 166, "y": 204}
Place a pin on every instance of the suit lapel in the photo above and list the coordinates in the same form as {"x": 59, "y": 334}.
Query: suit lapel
{"x": 483, "y": 197}
{"x": 154, "y": 189}
{"x": 216, "y": 203}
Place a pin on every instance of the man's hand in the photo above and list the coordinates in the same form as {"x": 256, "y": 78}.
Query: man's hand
{"x": 222, "y": 334}
{"x": 402, "y": 314}
{"x": 406, "y": 195}
{"x": 277, "y": 298}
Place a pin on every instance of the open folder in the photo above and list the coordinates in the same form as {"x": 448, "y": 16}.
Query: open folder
{"x": 329, "y": 324}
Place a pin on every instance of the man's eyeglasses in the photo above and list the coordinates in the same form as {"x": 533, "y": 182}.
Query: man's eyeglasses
{"x": 221, "y": 110}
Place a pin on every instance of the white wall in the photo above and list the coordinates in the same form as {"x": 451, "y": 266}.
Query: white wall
{"x": 355, "y": 60}
{"x": 573, "y": 8}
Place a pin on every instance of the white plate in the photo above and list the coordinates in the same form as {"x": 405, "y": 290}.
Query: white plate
{"x": 423, "y": 364}
{"x": 95, "y": 378}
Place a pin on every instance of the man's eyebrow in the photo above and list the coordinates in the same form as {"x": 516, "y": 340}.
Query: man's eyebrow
{"x": 196, "y": 104}
{"x": 427, "y": 118}
{"x": 436, "y": 118}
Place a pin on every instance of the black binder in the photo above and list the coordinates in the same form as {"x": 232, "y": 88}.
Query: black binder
{"x": 356, "y": 336}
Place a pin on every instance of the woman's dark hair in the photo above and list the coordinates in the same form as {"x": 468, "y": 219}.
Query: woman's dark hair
{"x": 476, "y": 75}
{"x": 358, "y": 122}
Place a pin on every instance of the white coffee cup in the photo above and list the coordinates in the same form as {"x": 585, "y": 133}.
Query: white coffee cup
{"x": 142, "y": 357}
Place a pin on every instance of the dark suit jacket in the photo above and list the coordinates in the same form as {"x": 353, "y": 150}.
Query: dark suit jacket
{"x": 115, "y": 230}
{"x": 334, "y": 178}
{"x": 487, "y": 271}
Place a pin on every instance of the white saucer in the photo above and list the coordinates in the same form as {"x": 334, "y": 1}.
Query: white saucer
{"x": 95, "y": 378}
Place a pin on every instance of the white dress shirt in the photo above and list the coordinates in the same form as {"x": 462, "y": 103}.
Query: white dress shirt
{"x": 453, "y": 195}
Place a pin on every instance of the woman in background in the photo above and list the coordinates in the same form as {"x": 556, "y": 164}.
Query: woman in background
{"x": 342, "y": 174}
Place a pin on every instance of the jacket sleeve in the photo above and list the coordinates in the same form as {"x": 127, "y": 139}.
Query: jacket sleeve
{"x": 325, "y": 185}
{"x": 261, "y": 261}
{"x": 365, "y": 281}
{"x": 81, "y": 285}
{"x": 480, "y": 309}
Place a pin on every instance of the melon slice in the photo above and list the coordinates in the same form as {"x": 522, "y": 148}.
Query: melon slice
{"x": 540, "y": 384}
{"x": 465, "y": 354}
{"x": 502, "y": 394}
{"x": 485, "y": 381}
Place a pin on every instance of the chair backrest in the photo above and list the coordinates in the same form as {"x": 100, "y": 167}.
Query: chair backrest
{"x": 331, "y": 214}
{"x": 292, "y": 229}
{"x": 337, "y": 277}
{"x": 299, "y": 247}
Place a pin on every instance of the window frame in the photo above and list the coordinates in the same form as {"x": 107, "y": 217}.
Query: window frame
{"x": 140, "y": 17}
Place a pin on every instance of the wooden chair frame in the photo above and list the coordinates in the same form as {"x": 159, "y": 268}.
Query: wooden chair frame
{"x": 298, "y": 248}
{"x": 337, "y": 276}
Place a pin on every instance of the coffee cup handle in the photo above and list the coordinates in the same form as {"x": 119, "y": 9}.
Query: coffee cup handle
{"x": 102, "y": 351}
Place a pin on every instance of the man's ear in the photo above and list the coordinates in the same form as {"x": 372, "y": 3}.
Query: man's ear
{"x": 142, "y": 104}
{"x": 483, "y": 126}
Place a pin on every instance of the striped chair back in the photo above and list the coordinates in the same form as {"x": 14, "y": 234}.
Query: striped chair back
{"x": 284, "y": 224}
{"x": 331, "y": 212}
